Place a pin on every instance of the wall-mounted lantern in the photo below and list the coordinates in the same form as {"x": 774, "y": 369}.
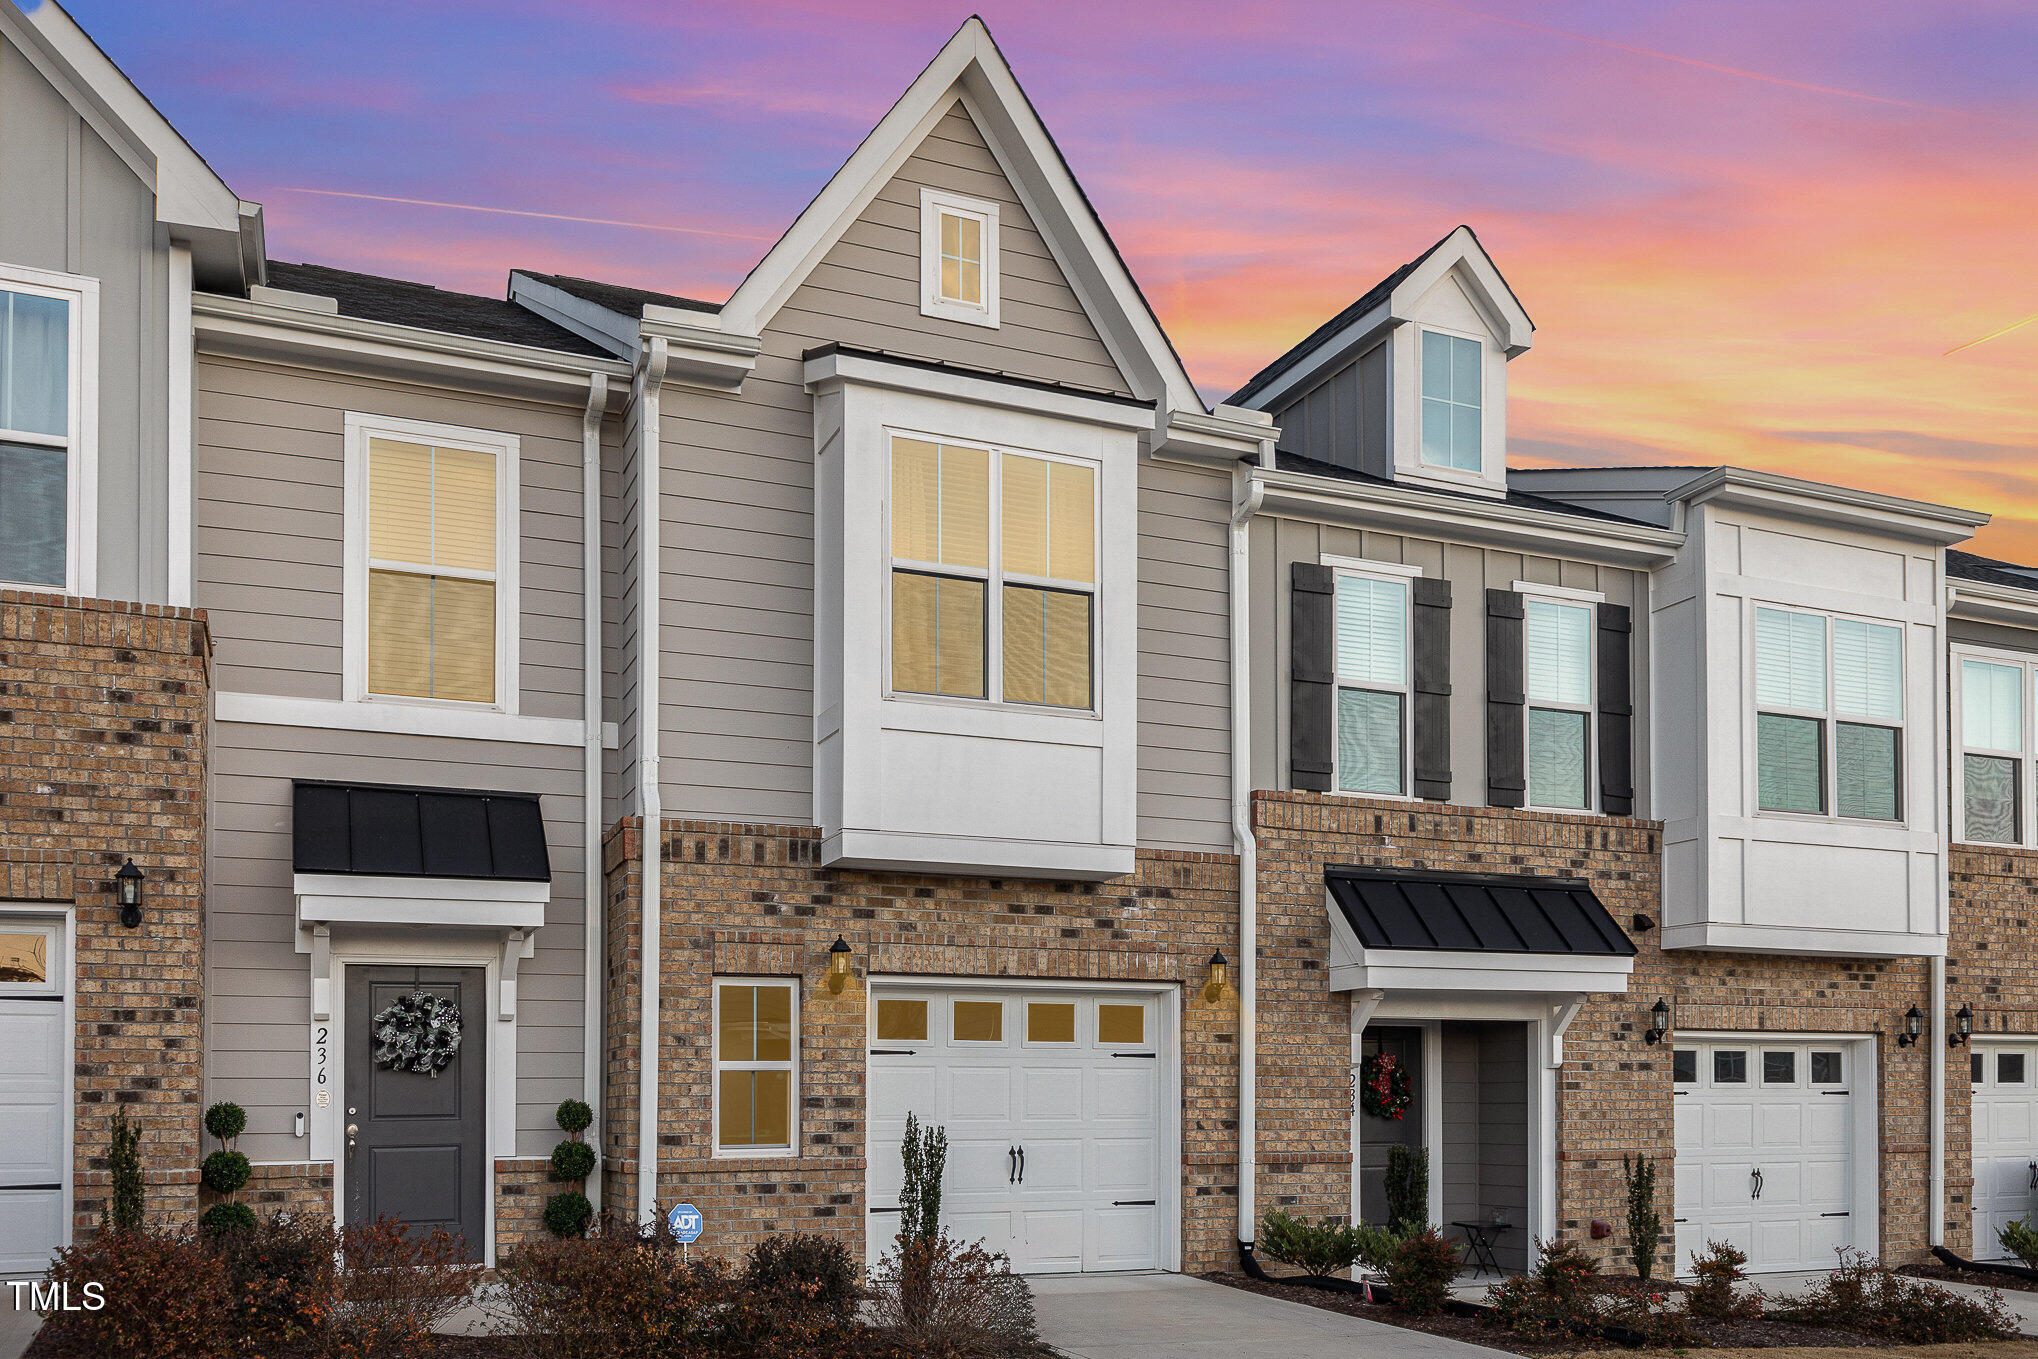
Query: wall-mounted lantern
{"x": 1963, "y": 1028}
{"x": 1659, "y": 1021}
{"x": 1220, "y": 975}
{"x": 127, "y": 890}
{"x": 838, "y": 965}
{"x": 1914, "y": 1024}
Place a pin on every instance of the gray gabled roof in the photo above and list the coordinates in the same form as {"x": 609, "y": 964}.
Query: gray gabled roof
{"x": 617, "y": 297}
{"x": 1295, "y": 462}
{"x": 400, "y": 302}
{"x": 1972, "y": 566}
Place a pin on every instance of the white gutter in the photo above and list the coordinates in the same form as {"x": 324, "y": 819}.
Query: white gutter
{"x": 649, "y": 807}
{"x": 1935, "y": 1227}
{"x": 1247, "y": 492}
{"x": 592, "y": 895}
{"x": 177, "y": 444}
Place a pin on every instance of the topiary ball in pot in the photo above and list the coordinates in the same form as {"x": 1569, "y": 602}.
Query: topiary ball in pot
{"x": 574, "y": 1116}
{"x": 223, "y": 1218}
{"x": 572, "y": 1161}
{"x": 568, "y": 1214}
{"x": 224, "y": 1171}
{"x": 225, "y": 1120}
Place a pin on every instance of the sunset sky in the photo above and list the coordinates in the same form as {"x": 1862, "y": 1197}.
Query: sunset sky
{"x": 1747, "y": 232}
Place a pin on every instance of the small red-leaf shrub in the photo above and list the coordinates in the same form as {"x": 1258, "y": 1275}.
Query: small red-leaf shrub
{"x": 282, "y": 1281}
{"x": 1863, "y": 1295}
{"x": 1420, "y": 1272}
{"x": 798, "y": 1260}
{"x": 1715, "y": 1293}
{"x": 162, "y": 1292}
{"x": 943, "y": 1300}
{"x": 396, "y": 1283}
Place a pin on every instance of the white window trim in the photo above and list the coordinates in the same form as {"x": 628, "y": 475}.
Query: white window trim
{"x": 81, "y": 481}
{"x": 1589, "y": 600}
{"x": 1830, "y": 719}
{"x": 1445, "y": 469}
{"x": 360, "y": 428}
{"x": 934, "y": 202}
{"x": 2027, "y": 664}
{"x": 717, "y": 1066}
{"x": 1404, "y": 576}
{"x": 995, "y": 579}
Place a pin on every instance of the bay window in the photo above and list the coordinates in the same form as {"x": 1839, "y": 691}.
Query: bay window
{"x": 1829, "y": 715}
{"x": 1372, "y": 660}
{"x": 45, "y": 452}
{"x": 1006, "y": 613}
{"x": 1557, "y": 645}
{"x": 1995, "y": 749}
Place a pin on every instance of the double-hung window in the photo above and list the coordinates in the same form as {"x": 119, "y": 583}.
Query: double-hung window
{"x": 1371, "y": 730}
{"x": 1557, "y": 642}
{"x": 432, "y": 591}
{"x": 46, "y": 466}
{"x": 757, "y": 1044}
{"x": 994, "y": 574}
{"x": 1829, "y": 712}
{"x": 1451, "y": 403}
{"x": 1995, "y": 748}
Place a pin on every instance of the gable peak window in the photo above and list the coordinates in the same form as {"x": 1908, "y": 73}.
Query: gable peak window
{"x": 958, "y": 257}
{"x": 47, "y": 365}
{"x": 1452, "y": 370}
{"x": 1829, "y": 715}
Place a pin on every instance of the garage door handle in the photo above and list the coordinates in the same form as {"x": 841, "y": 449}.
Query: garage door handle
{"x": 24, "y": 1188}
{"x": 1011, "y": 1164}
{"x": 1149, "y": 1056}
{"x": 893, "y": 1052}
{"x": 1132, "y": 1203}
{"x": 887, "y": 1210}
{"x": 1756, "y": 1175}
{"x": 1836, "y": 1214}
{"x": 2034, "y": 1176}
{"x": 1022, "y": 1165}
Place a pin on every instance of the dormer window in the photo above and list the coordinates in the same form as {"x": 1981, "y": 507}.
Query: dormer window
{"x": 1451, "y": 435}
{"x": 958, "y": 258}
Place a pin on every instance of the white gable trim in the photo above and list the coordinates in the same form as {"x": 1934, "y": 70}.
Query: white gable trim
{"x": 1462, "y": 253}
{"x": 970, "y": 68}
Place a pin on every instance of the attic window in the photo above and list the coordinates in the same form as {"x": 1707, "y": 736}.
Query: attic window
{"x": 958, "y": 258}
{"x": 1450, "y": 402}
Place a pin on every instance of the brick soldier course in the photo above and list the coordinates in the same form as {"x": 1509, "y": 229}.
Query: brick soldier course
{"x": 103, "y": 758}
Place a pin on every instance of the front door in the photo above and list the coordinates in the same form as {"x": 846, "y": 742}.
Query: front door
{"x": 1378, "y": 1135}
{"x": 414, "y": 1143}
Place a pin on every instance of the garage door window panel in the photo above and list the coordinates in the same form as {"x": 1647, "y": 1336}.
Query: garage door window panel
{"x": 1730, "y": 1067}
{"x": 1779, "y": 1068}
{"x": 902, "y": 1021}
{"x": 1684, "y": 1066}
{"x": 1828, "y": 1068}
{"x": 1050, "y": 1023}
{"x": 977, "y": 1021}
{"x": 2009, "y": 1068}
{"x": 756, "y": 1044}
{"x": 1121, "y": 1026}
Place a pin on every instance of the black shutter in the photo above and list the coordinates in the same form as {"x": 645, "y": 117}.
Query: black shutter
{"x": 1506, "y": 751}
{"x": 1312, "y": 675}
{"x": 1616, "y": 711}
{"x": 1432, "y": 689}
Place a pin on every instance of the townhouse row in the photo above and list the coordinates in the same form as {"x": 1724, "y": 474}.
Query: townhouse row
{"x": 895, "y": 690}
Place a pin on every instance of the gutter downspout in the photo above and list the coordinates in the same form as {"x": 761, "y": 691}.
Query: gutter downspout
{"x": 1246, "y": 496}
{"x": 592, "y": 893}
{"x": 1935, "y": 1227}
{"x": 649, "y": 806}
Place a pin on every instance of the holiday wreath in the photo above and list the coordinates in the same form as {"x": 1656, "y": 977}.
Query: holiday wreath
{"x": 419, "y": 1032}
{"x": 1385, "y": 1086}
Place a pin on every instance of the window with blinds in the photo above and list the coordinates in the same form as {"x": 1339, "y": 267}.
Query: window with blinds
{"x": 963, "y": 593}
{"x": 1995, "y": 749}
{"x": 1829, "y": 715}
{"x": 756, "y": 1066}
{"x": 1557, "y": 661}
{"x": 1451, "y": 401}
{"x": 432, "y": 571}
{"x": 1372, "y": 663}
{"x": 37, "y": 440}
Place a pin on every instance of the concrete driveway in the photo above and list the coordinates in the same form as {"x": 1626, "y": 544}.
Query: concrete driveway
{"x": 18, "y": 1325}
{"x": 1172, "y": 1316}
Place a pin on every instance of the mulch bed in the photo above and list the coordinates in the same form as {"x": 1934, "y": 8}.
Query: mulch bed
{"x": 1741, "y": 1335}
{"x": 439, "y": 1347}
{"x": 2007, "y": 1283}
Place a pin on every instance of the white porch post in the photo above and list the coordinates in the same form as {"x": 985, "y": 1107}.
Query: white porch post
{"x": 1546, "y": 1058}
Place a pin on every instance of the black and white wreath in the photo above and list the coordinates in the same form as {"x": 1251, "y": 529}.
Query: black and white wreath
{"x": 420, "y": 1033}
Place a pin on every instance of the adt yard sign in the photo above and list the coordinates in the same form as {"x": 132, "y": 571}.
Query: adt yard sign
{"x": 687, "y": 1223}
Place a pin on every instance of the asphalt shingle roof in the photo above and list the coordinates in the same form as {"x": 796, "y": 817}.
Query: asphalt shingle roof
{"x": 400, "y": 302}
{"x": 1295, "y": 462}
{"x": 1970, "y": 566}
{"x": 616, "y": 296}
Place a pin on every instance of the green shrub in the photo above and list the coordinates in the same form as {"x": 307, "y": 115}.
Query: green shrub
{"x": 925, "y": 1153}
{"x": 572, "y": 1161}
{"x": 1421, "y": 1271}
{"x": 940, "y": 1298}
{"x": 574, "y": 1116}
{"x": 1560, "y": 1292}
{"x": 1716, "y": 1271}
{"x": 161, "y": 1293}
{"x": 1321, "y": 1249}
{"x": 568, "y": 1214}
{"x": 224, "y": 1171}
{"x": 125, "y": 1199}
{"x": 1862, "y": 1295}
{"x": 2020, "y": 1240}
{"x": 1645, "y": 1224}
{"x": 226, "y": 1120}
{"x": 1407, "y": 1185}
{"x": 221, "y": 1218}
{"x": 787, "y": 1264}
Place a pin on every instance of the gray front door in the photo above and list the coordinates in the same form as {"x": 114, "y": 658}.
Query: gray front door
{"x": 1376, "y": 1135}
{"x": 415, "y": 1143}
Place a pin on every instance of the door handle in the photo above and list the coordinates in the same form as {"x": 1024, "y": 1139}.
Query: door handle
{"x": 1011, "y": 1164}
{"x": 2034, "y": 1175}
{"x": 1022, "y": 1165}
{"x": 353, "y": 1131}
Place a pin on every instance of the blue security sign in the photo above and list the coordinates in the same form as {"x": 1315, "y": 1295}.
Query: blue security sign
{"x": 687, "y": 1222}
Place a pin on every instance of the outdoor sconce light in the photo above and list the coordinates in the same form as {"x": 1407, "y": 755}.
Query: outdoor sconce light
{"x": 1963, "y": 1027}
{"x": 127, "y": 890}
{"x": 1914, "y": 1024}
{"x": 838, "y": 965}
{"x": 1220, "y": 973}
{"x": 1659, "y": 1021}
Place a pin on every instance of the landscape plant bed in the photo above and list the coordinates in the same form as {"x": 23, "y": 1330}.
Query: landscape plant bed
{"x": 1983, "y": 1278}
{"x": 1468, "y": 1323}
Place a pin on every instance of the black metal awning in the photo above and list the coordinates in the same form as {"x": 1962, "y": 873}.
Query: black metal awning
{"x": 1474, "y": 913}
{"x": 418, "y": 832}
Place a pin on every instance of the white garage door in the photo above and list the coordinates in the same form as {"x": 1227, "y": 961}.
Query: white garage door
{"x": 35, "y": 1095}
{"x": 2005, "y": 1080}
{"x": 1765, "y": 1151}
{"x": 1052, "y": 1102}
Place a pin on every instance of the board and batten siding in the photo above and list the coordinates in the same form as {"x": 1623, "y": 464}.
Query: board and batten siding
{"x": 737, "y": 489}
{"x": 269, "y": 540}
{"x": 1277, "y": 542}
{"x": 69, "y": 203}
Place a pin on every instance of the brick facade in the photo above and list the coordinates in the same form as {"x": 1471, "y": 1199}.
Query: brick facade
{"x": 102, "y": 758}
{"x": 1992, "y": 966}
{"x": 743, "y": 899}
